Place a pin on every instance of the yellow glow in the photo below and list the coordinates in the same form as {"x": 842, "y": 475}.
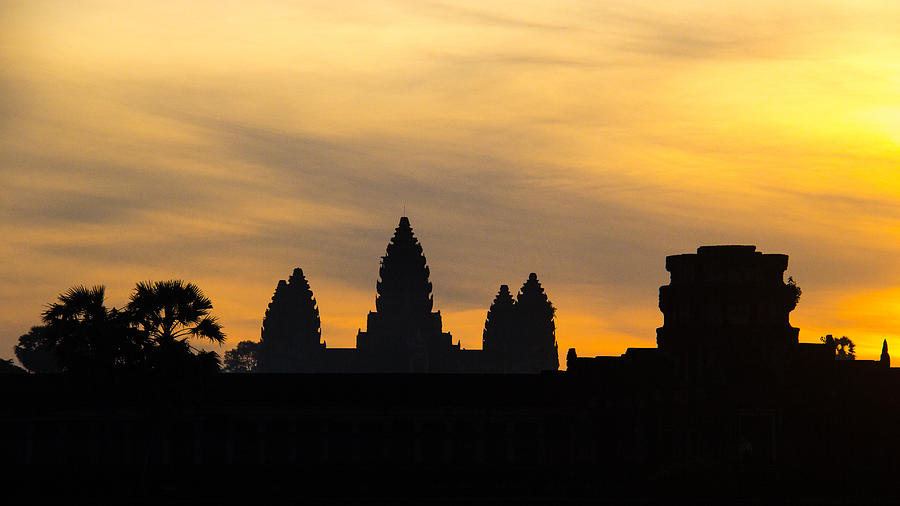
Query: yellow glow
{"x": 226, "y": 143}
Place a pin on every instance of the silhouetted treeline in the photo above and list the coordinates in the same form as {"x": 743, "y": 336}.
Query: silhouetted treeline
{"x": 150, "y": 334}
{"x": 242, "y": 358}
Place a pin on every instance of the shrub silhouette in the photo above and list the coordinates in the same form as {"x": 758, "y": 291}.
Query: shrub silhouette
{"x": 242, "y": 358}
{"x": 34, "y": 352}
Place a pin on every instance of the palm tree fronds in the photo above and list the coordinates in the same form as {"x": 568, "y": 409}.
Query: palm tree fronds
{"x": 78, "y": 303}
{"x": 172, "y": 309}
{"x": 209, "y": 328}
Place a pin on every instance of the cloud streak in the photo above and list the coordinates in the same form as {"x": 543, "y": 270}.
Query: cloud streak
{"x": 582, "y": 141}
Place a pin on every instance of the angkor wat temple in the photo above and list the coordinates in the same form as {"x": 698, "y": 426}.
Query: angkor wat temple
{"x": 729, "y": 409}
{"x": 404, "y": 333}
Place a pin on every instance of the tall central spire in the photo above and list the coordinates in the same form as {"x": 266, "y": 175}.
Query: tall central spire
{"x": 404, "y": 290}
{"x": 403, "y": 334}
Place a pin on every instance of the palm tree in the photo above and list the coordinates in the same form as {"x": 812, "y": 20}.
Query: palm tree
{"x": 844, "y": 348}
{"x": 85, "y": 335}
{"x": 78, "y": 304}
{"x": 173, "y": 310}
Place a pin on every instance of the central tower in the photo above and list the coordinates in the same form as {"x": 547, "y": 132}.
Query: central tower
{"x": 403, "y": 334}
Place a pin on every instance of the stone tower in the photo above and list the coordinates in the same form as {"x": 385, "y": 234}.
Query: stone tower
{"x": 403, "y": 334}
{"x": 291, "y": 332}
{"x": 727, "y": 306}
{"x": 534, "y": 347}
{"x": 499, "y": 333}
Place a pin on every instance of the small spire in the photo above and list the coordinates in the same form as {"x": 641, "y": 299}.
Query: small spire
{"x": 885, "y": 357}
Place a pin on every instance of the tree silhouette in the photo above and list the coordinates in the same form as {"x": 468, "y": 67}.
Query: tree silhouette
{"x": 34, "y": 352}
{"x": 82, "y": 335}
{"x": 291, "y": 333}
{"x": 794, "y": 293}
{"x": 499, "y": 328}
{"x": 86, "y": 336}
{"x": 844, "y": 348}
{"x": 169, "y": 313}
{"x": 173, "y": 310}
{"x": 242, "y": 358}
{"x": 535, "y": 328}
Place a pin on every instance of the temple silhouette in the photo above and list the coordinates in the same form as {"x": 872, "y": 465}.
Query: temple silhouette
{"x": 404, "y": 334}
{"x": 729, "y": 408}
{"x": 726, "y": 313}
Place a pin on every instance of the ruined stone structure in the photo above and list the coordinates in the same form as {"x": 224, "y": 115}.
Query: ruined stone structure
{"x": 729, "y": 380}
{"x": 726, "y": 312}
{"x": 727, "y": 304}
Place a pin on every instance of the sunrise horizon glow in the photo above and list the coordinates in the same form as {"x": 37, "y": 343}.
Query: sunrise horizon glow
{"x": 225, "y": 143}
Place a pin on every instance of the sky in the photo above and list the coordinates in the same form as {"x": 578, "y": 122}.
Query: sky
{"x": 226, "y": 143}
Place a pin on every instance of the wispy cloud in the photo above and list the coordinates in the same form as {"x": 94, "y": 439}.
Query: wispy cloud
{"x": 479, "y": 15}
{"x": 584, "y": 141}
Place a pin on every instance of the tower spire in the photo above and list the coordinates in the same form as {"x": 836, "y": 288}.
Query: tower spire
{"x": 404, "y": 289}
{"x": 885, "y": 358}
{"x": 536, "y": 330}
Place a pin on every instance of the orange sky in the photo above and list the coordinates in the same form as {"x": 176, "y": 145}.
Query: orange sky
{"x": 228, "y": 142}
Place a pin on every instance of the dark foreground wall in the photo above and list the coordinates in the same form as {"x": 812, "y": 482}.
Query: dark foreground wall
{"x": 636, "y": 436}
